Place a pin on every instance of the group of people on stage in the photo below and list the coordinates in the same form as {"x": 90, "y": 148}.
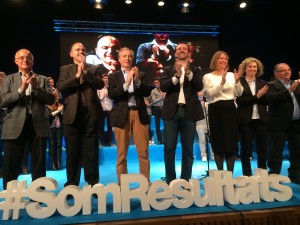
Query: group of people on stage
{"x": 241, "y": 106}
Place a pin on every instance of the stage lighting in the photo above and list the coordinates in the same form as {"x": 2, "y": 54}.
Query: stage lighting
{"x": 128, "y": 2}
{"x": 186, "y": 4}
{"x": 160, "y": 3}
{"x": 185, "y": 7}
{"x": 98, "y": 4}
{"x": 243, "y": 4}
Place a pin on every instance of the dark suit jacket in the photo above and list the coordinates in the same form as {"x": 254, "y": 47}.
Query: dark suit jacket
{"x": 69, "y": 85}
{"x": 281, "y": 106}
{"x": 246, "y": 101}
{"x": 14, "y": 120}
{"x": 119, "y": 112}
{"x": 190, "y": 89}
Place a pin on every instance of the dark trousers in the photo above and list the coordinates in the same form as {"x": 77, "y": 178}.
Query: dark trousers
{"x": 13, "y": 154}
{"x": 82, "y": 141}
{"x": 104, "y": 140}
{"x": 156, "y": 110}
{"x": 276, "y": 142}
{"x": 183, "y": 124}
{"x": 257, "y": 131}
{"x": 56, "y": 136}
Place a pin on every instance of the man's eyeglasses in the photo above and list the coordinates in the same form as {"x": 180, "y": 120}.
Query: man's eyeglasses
{"x": 281, "y": 71}
{"x": 23, "y": 58}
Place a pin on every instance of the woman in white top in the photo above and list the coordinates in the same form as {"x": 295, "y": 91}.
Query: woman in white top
{"x": 220, "y": 89}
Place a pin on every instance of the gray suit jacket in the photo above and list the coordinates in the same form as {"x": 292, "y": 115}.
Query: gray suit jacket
{"x": 14, "y": 120}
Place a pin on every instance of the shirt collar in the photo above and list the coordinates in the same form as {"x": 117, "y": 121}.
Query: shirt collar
{"x": 23, "y": 75}
{"x": 250, "y": 80}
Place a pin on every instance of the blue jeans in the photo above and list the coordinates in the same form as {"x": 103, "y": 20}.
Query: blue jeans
{"x": 183, "y": 124}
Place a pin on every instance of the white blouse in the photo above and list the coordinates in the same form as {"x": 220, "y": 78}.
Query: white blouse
{"x": 214, "y": 91}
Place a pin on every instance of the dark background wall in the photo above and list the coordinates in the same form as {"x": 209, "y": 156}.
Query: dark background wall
{"x": 266, "y": 29}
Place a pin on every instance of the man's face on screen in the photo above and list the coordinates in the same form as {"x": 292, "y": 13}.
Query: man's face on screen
{"x": 107, "y": 50}
{"x": 161, "y": 38}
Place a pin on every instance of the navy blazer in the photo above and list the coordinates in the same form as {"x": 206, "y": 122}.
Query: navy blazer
{"x": 281, "y": 106}
{"x": 119, "y": 112}
{"x": 246, "y": 101}
{"x": 190, "y": 89}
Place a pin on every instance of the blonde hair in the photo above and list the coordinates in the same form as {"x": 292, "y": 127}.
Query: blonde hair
{"x": 213, "y": 62}
{"x": 247, "y": 61}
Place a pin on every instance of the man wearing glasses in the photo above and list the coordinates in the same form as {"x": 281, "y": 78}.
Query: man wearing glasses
{"x": 284, "y": 115}
{"x": 25, "y": 94}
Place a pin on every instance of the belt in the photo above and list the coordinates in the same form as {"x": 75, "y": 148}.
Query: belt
{"x": 133, "y": 107}
{"x": 181, "y": 105}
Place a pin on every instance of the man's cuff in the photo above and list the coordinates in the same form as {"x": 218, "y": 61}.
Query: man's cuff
{"x": 190, "y": 76}
{"x": 138, "y": 83}
{"x": 175, "y": 80}
{"x": 21, "y": 93}
{"x": 125, "y": 87}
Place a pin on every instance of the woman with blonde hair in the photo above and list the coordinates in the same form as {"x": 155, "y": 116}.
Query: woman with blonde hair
{"x": 220, "y": 89}
{"x": 253, "y": 114}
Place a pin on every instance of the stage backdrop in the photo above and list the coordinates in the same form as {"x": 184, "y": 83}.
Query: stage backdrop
{"x": 203, "y": 46}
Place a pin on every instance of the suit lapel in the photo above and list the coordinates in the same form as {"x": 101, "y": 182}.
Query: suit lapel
{"x": 257, "y": 85}
{"x": 280, "y": 85}
{"x": 247, "y": 89}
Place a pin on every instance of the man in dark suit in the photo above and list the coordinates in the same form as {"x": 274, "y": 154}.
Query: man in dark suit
{"x": 253, "y": 114}
{"x": 181, "y": 110}
{"x": 284, "y": 121}
{"x": 25, "y": 94}
{"x": 127, "y": 88}
{"x": 82, "y": 111}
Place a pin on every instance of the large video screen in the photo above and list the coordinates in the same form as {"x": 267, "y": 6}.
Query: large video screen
{"x": 152, "y": 51}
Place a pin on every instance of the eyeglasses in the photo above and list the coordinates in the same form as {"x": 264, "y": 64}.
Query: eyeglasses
{"x": 23, "y": 58}
{"x": 284, "y": 71}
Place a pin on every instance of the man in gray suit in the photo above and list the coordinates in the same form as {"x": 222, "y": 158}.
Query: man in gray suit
{"x": 79, "y": 82}
{"x": 25, "y": 94}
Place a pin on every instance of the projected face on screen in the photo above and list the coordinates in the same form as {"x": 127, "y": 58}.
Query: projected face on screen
{"x": 106, "y": 53}
{"x": 152, "y": 51}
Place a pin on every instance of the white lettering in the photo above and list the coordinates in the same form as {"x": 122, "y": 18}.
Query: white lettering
{"x": 220, "y": 186}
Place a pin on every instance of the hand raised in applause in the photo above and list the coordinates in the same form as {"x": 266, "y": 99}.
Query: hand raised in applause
{"x": 133, "y": 73}
{"x": 29, "y": 79}
{"x": 81, "y": 69}
{"x": 156, "y": 49}
{"x": 261, "y": 92}
{"x": 60, "y": 107}
{"x": 294, "y": 86}
{"x": 237, "y": 75}
{"x": 223, "y": 81}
